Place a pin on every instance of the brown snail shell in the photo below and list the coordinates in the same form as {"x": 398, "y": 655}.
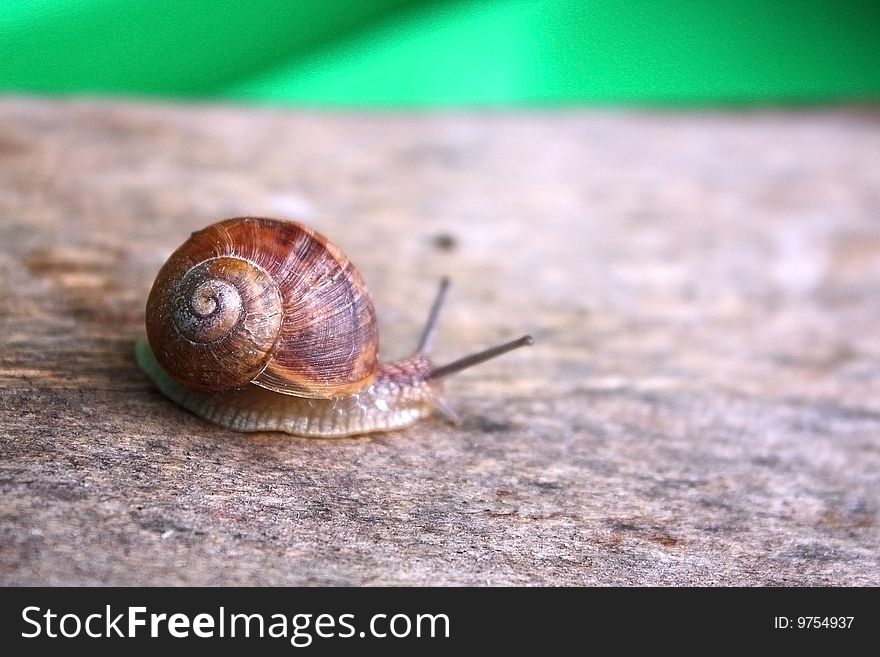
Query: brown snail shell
{"x": 263, "y": 301}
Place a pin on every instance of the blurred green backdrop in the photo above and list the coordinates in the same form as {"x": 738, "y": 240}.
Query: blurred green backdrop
{"x": 445, "y": 52}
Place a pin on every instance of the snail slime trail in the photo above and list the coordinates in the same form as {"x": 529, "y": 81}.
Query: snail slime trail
{"x": 236, "y": 320}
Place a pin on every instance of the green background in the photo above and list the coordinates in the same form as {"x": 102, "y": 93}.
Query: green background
{"x": 471, "y": 52}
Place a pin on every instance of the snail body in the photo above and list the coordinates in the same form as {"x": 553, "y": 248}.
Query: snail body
{"x": 388, "y": 403}
{"x": 264, "y": 325}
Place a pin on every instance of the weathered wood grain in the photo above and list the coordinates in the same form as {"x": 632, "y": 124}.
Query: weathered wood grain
{"x": 702, "y": 405}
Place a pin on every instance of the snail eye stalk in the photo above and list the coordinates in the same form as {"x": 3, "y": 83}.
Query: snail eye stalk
{"x": 479, "y": 357}
{"x": 427, "y": 341}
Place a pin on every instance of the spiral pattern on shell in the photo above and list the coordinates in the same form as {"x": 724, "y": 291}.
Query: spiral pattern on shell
{"x": 263, "y": 301}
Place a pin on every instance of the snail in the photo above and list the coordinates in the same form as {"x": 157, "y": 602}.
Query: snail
{"x": 260, "y": 324}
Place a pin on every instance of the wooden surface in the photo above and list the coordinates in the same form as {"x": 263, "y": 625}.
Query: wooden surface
{"x": 702, "y": 405}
